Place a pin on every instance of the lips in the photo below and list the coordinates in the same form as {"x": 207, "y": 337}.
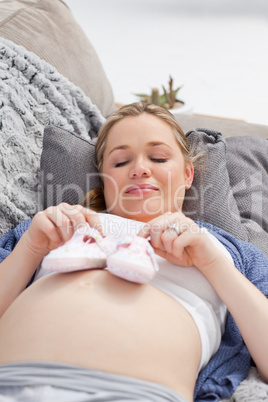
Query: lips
{"x": 141, "y": 189}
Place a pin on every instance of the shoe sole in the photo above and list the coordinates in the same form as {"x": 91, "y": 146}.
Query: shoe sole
{"x": 67, "y": 264}
{"x": 132, "y": 273}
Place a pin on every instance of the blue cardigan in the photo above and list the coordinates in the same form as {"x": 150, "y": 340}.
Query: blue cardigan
{"x": 230, "y": 365}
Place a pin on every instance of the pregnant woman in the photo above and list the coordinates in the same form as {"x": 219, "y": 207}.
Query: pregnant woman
{"x": 90, "y": 332}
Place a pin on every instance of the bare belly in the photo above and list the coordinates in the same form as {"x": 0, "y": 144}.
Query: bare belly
{"x": 96, "y": 320}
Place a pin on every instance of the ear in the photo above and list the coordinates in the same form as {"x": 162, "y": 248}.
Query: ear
{"x": 189, "y": 175}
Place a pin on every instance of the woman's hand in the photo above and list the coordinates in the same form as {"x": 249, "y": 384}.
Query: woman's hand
{"x": 190, "y": 246}
{"x": 48, "y": 230}
{"x": 184, "y": 245}
{"x": 54, "y": 226}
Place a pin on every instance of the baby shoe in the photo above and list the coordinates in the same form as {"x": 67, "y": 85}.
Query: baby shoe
{"x": 133, "y": 260}
{"x": 85, "y": 250}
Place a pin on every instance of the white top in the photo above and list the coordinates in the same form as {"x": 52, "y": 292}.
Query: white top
{"x": 187, "y": 285}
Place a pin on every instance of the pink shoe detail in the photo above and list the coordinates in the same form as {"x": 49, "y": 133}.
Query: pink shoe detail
{"x": 87, "y": 249}
{"x": 133, "y": 260}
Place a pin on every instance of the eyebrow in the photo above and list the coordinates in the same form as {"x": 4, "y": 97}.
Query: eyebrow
{"x": 157, "y": 143}
{"x": 149, "y": 144}
{"x": 119, "y": 147}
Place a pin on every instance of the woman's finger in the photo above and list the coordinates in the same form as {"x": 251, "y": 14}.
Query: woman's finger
{"x": 63, "y": 224}
{"x": 156, "y": 225}
{"x": 168, "y": 238}
{"x": 93, "y": 219}
{"x": 167, "y": 256}
{"x": 68, "y": 218}
{"x": 163, "y": 229}
{"x": 43, "y": 228}
{"x": 79, "y": 215}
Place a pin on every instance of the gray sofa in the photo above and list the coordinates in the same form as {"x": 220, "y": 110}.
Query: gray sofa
{"x": 228, "y": 128}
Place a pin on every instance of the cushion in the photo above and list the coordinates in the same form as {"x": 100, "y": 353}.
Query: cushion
{"x": 67, "y": 167}
{"x": 48, "y": 28}
{"x": 231, "y": 190}
{"x": 228, "y": 127}
{"x": 248, "y": 171}
{"x": 33, "y": 94}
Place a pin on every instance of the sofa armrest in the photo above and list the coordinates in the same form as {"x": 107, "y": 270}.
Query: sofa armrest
{"x": 228, "y": 128}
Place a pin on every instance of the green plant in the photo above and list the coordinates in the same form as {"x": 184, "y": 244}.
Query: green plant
{"x": 166, "y": 100}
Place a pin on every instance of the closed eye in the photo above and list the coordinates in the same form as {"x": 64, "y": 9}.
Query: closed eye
{"x": 159, "y": 160}
{"x": 119, "y": 164}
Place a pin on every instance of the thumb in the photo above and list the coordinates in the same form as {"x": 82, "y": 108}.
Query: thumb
{"x": 144, "y": 231}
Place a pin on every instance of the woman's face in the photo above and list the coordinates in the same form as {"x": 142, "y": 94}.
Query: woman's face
{"x": 144, "y": 171}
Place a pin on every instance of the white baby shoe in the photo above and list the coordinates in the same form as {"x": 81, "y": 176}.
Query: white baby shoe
{"x": 133, "y": 260}
{"x": 130, "y": 258}
{"x": 87, "y": 249}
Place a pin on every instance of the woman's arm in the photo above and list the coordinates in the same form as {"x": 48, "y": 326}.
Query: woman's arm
{"x": 248, "y": 306}
{"x": 48, "y": 230}
{"x": 16, "y": 271}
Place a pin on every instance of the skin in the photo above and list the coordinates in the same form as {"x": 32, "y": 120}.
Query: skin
{"x": 52, "y": 227}
{"x": 142, "y": 150}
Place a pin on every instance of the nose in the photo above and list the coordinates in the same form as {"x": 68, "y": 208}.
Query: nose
{"x": 140, "y": 170}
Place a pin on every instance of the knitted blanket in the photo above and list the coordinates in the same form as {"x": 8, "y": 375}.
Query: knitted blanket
{"x": 33, "y": 95}
{"x": 230, "y": 365}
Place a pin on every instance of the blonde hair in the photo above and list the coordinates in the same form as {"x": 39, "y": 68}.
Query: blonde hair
{"x": 94, "y": 199}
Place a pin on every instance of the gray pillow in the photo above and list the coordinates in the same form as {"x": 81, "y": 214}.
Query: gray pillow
{"x": 210, "y": 198}
{"x": 68, "y": 169}
{"x": 231, "y": 189}
{"x": 247, "y": 164}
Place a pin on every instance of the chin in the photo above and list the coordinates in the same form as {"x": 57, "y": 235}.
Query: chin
{"x": 146, "y": 218}
{"x": 142, "y": 211}
{"x": 142, "y": 215}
